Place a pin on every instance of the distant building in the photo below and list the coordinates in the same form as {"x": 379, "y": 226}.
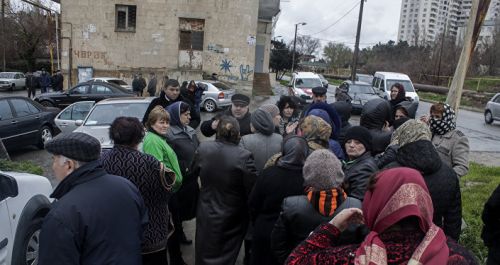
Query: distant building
{"x": 178, "y": 38}
{"x": 424, "y": 21}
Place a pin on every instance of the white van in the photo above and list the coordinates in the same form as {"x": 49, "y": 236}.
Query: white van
{"x": 383, "y": 81}
{"x": 302, "y": 84}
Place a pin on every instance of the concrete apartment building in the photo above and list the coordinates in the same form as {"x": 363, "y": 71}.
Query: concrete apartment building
{"x": 179, "y": 38}
{"x": 424, "y": 21}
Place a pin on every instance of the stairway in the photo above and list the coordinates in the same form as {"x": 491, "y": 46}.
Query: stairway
{"x": 262, "y": 85}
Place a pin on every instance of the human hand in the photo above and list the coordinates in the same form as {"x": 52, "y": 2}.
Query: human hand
{"x": 290, "y": 128}
{"x": 346, "y": 217}
{"x": 214, "y": 124}
{"x": 424, "y": 119}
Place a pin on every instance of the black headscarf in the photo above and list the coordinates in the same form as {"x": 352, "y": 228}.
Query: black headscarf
{"x": 294, "y": 152}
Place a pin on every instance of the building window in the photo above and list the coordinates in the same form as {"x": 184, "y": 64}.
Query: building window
{"x": 191, "y": 34}
{"x": 125, "y": 17}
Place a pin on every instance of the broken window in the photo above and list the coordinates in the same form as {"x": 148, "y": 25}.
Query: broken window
{"x": 125, "y": 17}
{"x": 191, "y": 34}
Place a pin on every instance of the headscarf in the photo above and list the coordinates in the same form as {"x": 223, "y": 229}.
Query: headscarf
{"x": 294, "y": 152}
{"x": 175, "y": 114}
{"x": 401, "y": 94}
{"x": 409, "y": 132}
{"x": 262, "y": 122}
{"x": 315, "y": 129}
{"x": 335, "y": 120}
{"x": 400, "y": 193}
{"x": 445, "y": 124}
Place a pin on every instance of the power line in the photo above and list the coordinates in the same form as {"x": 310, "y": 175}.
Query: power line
{"x": 347, "y": 13}
{"x": 343, "y": 42}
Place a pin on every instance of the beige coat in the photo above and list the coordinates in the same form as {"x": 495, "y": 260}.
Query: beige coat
{"x": 453, "y": 148}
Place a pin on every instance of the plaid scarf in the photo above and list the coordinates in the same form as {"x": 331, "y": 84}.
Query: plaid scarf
{"x": 326, "y": 201}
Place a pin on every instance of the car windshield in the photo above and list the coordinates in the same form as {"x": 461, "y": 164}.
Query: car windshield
{"x": 308, "y": 82}
{"x": 7, "y": 75}
{"x": 105, "y": 114}
{"x": 361, "y": 89}
{"x": 221, "y": 86}
{"x": 118, "y": 82}
{"x": 406, "y": 84}
{"x": 365, "y": 78}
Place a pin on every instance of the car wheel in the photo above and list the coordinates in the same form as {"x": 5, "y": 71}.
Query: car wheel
{"x": 209, "y": 105}
{"x": 13, "y": 87}
{"x": 488, "y": 118}
{"x": 45, "y": 136}
{"x": 46, "y": 103}
{"x": 27, "y": 254}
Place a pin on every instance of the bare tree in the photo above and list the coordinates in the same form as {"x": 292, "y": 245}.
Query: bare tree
{"x": 338, "y": 55}
{"x": 307, "y": 45}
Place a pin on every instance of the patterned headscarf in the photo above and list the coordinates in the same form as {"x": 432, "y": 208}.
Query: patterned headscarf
{"x": 400, "y": 193}
{"x": 315, "y": 129}
{"x": 409, "y": 132}
{"x": 445, "y": 124}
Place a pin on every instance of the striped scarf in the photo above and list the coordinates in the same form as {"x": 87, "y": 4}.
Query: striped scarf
{"x": 326, "y": 201}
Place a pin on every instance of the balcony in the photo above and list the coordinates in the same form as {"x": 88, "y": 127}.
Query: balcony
{"x": 268, "y": 9}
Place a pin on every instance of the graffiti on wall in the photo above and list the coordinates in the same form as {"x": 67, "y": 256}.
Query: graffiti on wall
{"x": 90, "y": 55}
{"x": 245, "y": 71}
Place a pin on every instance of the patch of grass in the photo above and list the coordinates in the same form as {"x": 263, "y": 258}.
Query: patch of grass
{"x": 24, "y": 166}
{"x": 335, "y": 82}
{"x": 476, "y": 188}
{"x": 284, "y": 82}
{"x": 487, "y": 84}
{"x": 432, "y": 96}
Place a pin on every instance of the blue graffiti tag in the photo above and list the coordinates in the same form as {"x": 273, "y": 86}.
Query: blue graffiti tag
{"x": 245, "y": 72}
{"x": 226, "y": 65}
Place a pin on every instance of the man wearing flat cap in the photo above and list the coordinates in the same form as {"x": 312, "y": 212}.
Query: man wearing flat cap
{"x": 318, "y": 95}
{"x": 97, "y": 218}
{"x": 239, "y": 110}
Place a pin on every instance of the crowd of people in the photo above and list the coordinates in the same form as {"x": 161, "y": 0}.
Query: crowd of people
{"x": 291, "y": 186}
{"x": 44, "y": 81}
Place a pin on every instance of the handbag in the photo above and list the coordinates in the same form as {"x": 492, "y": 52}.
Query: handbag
{"x": 167, "y": 177}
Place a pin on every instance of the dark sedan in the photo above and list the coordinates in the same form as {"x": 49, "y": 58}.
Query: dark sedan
{"x": 358, "y": 93}
{"x": 88, "y": 91}
{"x": 24, "y": 122}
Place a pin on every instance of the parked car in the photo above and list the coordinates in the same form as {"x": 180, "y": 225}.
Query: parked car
{"x": 12, "y": 80}
{"x": 302, "y": 84}
{"x": 66, "y": 119}
{"x": 324, "y": 81}
{"x": 216, "y": 95}
{"x": 24, "y": 122}
{"x": 383, "y": 82}
{"x": 492, "y": 110}
{"x": 106, "y": 111}
{"x": 359, "y": 93}
{"x": 90, "y": 90}
{"x": 113, "y": 80}
{"x": 24, "y": 202}
{"x": 364, "y": 78}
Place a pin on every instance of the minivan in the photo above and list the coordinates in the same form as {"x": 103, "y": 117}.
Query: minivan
{"x": 383, "y": 81}
{"x": 302, "y": 84}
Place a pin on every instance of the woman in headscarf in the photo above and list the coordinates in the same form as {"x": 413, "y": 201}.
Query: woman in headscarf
{"x": 398, "y": 95}
{"x": 332, "y": 143}
{"x": 451, "y": 144}
{"x": 182, "y": 138}
{"x": 301, "y": 214}
{"x": 398, "y": 210}
{"x": 316, "y": 131}
{"x": 227, "y": 175}
{"x": 274, "y": 184}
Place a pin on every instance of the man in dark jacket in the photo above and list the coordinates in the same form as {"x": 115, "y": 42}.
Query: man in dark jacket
{"x": 318, "y": 95}
{"x": 344, "y": 110}
{"x": 239, "y": 110}
{"x": 152, "y": 84}
{"x": 57, "y": 81}
{"x": 138, "y": 84}
{"x": 31, "y": 84}
{"x": 491, "y": 228}
{"x": 98, "y": 218}
{"x": 44, "y": 81}
{"x": 170, "y": 94}
{"x": 376, "y": 117}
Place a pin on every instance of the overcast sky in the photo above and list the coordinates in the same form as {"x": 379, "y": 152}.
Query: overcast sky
{"x": 380, "y": 20}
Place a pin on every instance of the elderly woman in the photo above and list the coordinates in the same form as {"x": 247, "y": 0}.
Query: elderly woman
{"x": 227, "y": 176}
{"x": 183, "y": 140}
{"x": 316, "y": 131}
{"x": 451, "y": 144}
{"x": 275, "y": 183}
{"x": 398, "y": 210}
{"x": 289, "y": 115}
{"x": 148, "y": 174}
{"x": 360, "y": 164}
{"x": 301, "y": 214}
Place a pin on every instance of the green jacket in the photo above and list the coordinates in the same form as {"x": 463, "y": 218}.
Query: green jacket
{"x": 158, "y": 147}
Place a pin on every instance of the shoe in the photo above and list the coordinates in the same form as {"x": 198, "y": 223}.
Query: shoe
{"x": 184, "y": 239}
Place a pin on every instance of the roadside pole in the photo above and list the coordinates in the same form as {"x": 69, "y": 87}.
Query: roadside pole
{"x": 3, "y": 36}
{"x": 356, "y": 46}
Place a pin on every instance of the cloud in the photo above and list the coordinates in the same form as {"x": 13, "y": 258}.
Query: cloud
{"x": 380, "y": 20}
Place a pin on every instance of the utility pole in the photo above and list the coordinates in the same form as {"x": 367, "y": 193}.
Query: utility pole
{"x": 3, "y": 36}
{"x": 356, "y": 46}
{"x": 441, "y": 51}
{"x": 294, "y": 42}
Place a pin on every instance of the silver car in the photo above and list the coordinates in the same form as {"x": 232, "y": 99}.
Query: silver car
{"x": 216, "y": 95}
{"x": 66, "y": 119}
{"x": 113, "y": 80}
{"x": 492, "y": 110}
{"x": 104, "y": 112}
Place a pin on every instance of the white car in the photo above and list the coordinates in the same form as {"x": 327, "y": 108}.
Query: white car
{"x": 113, "y": 80}
{"x": 66, "y": 119}
{"x": 12, "y": 80}
{"x": 24, "y": 202}
{"x": 302, "y": 84}
{"x": 383, "y": 82}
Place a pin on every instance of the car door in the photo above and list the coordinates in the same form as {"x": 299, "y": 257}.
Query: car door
{"x": 100, "y": 91}
{"x": 28, "y": 120}
{"x": 6, "y": 238}
{"x": 8, "y": 127}
{"x": 66, "y": 120}
{"x": 496, "y": 108}
{"x": 78, "y": 93}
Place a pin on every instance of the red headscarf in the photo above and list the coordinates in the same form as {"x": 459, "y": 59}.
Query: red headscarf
{"x": 400, "y": 193}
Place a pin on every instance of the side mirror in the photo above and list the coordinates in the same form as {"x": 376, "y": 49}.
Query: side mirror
{"x": 8, "y": 187}
{"x": 79, "y": 122}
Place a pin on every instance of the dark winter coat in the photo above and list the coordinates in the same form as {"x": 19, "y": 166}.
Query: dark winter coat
{"x": 344, "y": 110}
{"x": 98, "y": 219}
{"x": 57, "y": 82}
{"x": 297, "y": 220}
{"x": 138, "y": 84}
{"x": 31, "y": 81}
{"x": 163, "y": 101}
{"x": 357, "y": 173}
{"x": 373, "y": 117}
{"x": 227, "y": 176}
{"x": 184, "y": 143}
{"x": 44, "y": 80}
{"x": 441, "y": 181}
{"x": 273, "y": 185}
{"x": 491, "y": 228}
{"x": 144, "y": 171}
{"x": 206, "y": 126}
{"x": 152, "y": 85}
